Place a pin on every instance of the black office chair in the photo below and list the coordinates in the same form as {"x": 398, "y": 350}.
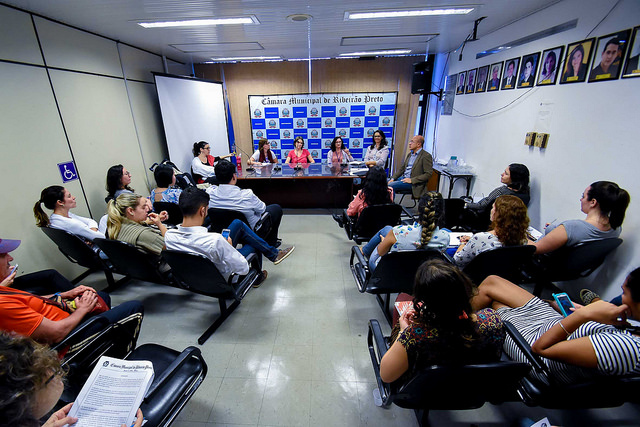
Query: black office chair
{"x": 507, "y": 262}
{"x": 395, "y": 273}
{"x": 570, "y": 263}
{"x": 175, "y": 214}
{"x": 453, "y": 209}
{"x": 220, "y": 219}
{"x": 371, "y": 220}
{"x": 440, "y": 387}
{"x": 134, "y": 263}
{"x": 78, "y": 252}
{"x": 404, "y": 193}
{"x": 198, "y": 274}
{"x": 603, "y": 392}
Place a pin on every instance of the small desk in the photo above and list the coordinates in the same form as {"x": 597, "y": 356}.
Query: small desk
{"x": 453, "y": 177}
{"x": 311, "y": 186}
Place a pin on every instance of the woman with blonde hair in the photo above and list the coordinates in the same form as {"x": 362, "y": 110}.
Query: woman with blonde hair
{"x": 61, "y": 201}
{"x": 129, "y": 218}
{"x": 509, "y": 223}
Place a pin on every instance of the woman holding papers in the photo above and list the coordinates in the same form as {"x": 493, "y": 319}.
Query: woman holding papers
{"x": 441, "y": 326}
{"x": 263, "y": 154}
{"x": 378, "y": 152}
{"x": 31, "y": 383}
{"x": 338, "y": 153}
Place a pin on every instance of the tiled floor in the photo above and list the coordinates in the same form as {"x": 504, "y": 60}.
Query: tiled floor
{"x": 294, "y": 352}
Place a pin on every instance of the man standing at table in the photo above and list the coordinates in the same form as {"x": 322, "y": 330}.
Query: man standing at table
{"x": 415, "y": 171}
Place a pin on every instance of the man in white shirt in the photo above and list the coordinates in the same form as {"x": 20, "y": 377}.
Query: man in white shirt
{"x": 228, "y": 195}
{"x": 192, "y": 237}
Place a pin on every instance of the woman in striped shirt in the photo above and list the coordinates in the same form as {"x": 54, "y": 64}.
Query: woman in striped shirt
{"x": 586, "y": 344}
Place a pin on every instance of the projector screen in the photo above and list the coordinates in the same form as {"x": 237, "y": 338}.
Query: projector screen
{"x": 192, "y": 110}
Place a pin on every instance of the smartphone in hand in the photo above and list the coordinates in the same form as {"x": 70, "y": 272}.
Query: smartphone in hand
{"x": 564, "y": 302}
{"x": 225, "y": 233}
{"x": 15, "y": 267}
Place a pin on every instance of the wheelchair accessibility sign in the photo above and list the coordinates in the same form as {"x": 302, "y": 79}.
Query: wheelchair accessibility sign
{"x": 67, "y": 171}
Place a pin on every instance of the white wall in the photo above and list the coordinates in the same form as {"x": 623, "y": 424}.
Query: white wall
{"x": 83, "y": 109}
{"x": 593, "y": 128}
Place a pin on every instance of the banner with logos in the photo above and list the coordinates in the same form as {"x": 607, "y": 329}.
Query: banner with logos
{"x": 320, "y": 117}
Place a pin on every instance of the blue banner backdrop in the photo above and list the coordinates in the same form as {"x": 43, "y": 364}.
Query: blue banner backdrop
{"x": 319, "y": 117}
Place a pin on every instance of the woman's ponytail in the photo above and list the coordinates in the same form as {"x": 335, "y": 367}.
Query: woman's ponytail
{"x": 42, "y": 219}
{"x": 49, "y": 196}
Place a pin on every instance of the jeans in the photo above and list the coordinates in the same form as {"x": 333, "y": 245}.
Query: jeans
{"x": 251, "y": 242}
{"x": 114, "y": 315}
{"x": 400, "y": 186}
{"x": 370, "y": 250}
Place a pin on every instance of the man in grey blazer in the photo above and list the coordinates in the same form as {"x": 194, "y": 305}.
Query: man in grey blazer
{"x": 416, "y": 170}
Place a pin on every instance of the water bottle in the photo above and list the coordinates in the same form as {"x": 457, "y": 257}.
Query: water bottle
{"x": 239, "y": 161}
{"x": 452, "y": 164}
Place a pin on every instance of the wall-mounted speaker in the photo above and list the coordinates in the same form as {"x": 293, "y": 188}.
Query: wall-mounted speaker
{"x": 422, "y": 75}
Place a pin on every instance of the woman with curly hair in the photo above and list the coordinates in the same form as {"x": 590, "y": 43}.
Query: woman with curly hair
{"x": 424, "y": 233}
{"x": 441, "y": 326}
{"x": 509, "y": 223}
{"x": 31, "y": 382}
{"x": 375, "y": 191}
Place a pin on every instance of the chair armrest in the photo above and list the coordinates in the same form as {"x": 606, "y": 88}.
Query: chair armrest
{"x": 237, "y": 281}
{"x": 174, "y": 367}
{"x": 363, "y": 274}
{"x": 448, "y": 257}
{"x": 70, "y": 339}
{"x": 377, "y": 349}
{"x": 405, "y": 212}
{"x": 525, "y": 348}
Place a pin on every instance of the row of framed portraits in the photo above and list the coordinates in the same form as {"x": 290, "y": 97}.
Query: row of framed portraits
{"x": 572, "y": 67}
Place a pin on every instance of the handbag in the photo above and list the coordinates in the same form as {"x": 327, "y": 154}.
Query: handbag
{"x": 63, "y": 304}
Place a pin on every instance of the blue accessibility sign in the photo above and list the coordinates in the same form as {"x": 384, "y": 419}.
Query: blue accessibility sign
{"x": 68, "y": 171}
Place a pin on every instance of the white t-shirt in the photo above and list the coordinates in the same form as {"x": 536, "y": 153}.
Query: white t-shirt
{"x": 76, "y": 225}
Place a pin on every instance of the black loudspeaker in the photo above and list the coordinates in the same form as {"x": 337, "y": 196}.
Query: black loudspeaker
{"x": 422, "y": 75}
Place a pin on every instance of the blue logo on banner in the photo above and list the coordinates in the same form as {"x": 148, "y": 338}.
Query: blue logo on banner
{"x": 271, "y": 113}
{"x": 329, "y": 111}
{"x": 357, "y": 110}
{"x": 342, "y": 133}
{"x": 372, "y": 111}
{"x": 370, "y": 132}
{"x": 286, "y": 134}
{"x": 314, "y": 122}
{"x": 327, "y": 143}
{"x": 314, "y": 112}
{"x": 343, "y": 122}
{"x": 258, "y": 124}
{"x": 286, "y": 123}
{"x": 257, "y": 113}
{"x": 285, "y": 112}
{"x": 386, "y": 121}
{"x": 357, "y": 122}
{"x": 259, "y": 134}
{"x": 328, "y": 123}
{"x": 299, "y": 111}
{"x": 314, "y": 133}
{"x": 272, "y": 124}
{"x": 343, "y": 111}
{"x": 68, "y": 171}
{"x": 299, "y": 123}
{"x": 274, "y": 145}
{"x": 371, "y": 121}
{"x": 356, "y": 143}
{"x": 314, "y": 154}
{"x": 387, "y": 110}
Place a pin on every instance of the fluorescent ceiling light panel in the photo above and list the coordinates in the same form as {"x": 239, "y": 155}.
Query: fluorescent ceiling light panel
{"x": 407, "y": 13}
{"x": 378, "y": 52}
{"x": 201, "y": 22}
{"x": 248, "y": 58}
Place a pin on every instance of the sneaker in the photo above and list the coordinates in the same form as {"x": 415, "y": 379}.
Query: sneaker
{"x": 278, "y": 243}
{"x": 261, "y": 279}
{"x": 588, "y": 296}
{"x": 282, "y": 254}
{"x": 377, "y": 398}
{"x": 337, "y": 218}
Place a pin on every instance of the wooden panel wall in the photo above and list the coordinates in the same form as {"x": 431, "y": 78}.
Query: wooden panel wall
{"x": 344, "y": 75}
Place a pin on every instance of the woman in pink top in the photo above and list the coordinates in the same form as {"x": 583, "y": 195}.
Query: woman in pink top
{"x": 374, "y": 192}
{"x": 339, "y": 153}
{"x": 299, "y": 154}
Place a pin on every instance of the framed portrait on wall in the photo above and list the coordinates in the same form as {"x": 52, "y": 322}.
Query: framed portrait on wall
{"x": 471, "y": 80}
{"x": 510, "y": 74}
{"x": 609, "y": 56}
{"x": 481, "y": 79}
{"x": 632, "y": 65}
{"x": 528, "y": 69}
{"x": 577, "y": 61}
{"x": 493, "y": 82}
{"x": 462, "y": 79}
{"x": 550, "y": 66}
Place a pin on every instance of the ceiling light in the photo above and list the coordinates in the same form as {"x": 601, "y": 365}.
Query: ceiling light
{"x": 247, "y": 58}
{"x": 406, "y": 13}
{"x": 201, "y": 22}
{"x": 378, "y": 52}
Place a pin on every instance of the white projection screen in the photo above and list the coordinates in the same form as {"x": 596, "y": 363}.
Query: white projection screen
{"x": 192, "y": 110}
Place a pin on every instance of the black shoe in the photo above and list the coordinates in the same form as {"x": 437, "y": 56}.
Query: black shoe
{"x": 278, "y": 243}
{"x": 337, "y": 218}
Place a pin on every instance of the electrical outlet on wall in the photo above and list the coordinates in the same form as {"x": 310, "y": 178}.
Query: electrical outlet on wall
{"x": 541, "y": 140}
{"x": 530, "y": 139}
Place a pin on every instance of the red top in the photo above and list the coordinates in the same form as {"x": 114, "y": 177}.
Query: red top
{"x": 358, "y": 204}
{"x": 304, "y": 158}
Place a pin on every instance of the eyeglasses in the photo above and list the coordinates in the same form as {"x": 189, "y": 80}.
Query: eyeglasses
{"x": 57, "y": 373}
